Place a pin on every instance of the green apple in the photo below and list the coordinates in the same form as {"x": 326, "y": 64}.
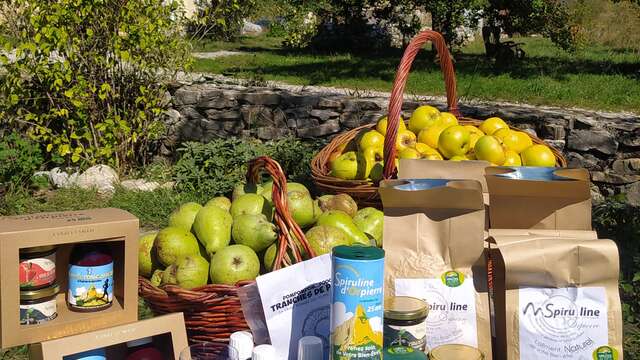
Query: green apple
{"x": 409, "y": 153}
{"x": 213, "y": 228}
{"x": 371, "y": 138}
{"x": 492, "y": 124}
{"x": 188, "y": 272}
{"x": 323, "y": 238}
{"x": 370, "y": 221}
{"x": 183, "y": 216}
{"x": 453, "y": 141}
{"x": 253, "y": 230}
{"x": 173, "y": 243}
{"x": 146, "y": 260}
{"x": 490, "y": 149}
{"x": 222, "y": 202}
{"x": 341, "y": 220}
{"x": 447, "y": 119}
{"x": 250, "y": 204}
{"x": 233, "y": 264}
{"x": 345, "y": 166}
{"x": 381, "y": 126}
{"x": 405, "y": 140}
{"x": 423, "y": 117}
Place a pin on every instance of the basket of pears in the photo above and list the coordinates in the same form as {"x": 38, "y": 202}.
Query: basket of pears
{"x": 354, "y": 162}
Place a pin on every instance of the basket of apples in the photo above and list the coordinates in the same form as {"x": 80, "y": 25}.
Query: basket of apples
{"x": 354, "y": 162}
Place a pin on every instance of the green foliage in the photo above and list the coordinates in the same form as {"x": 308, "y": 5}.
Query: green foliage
{"x": 300, "y": 27}
{"x": 603, "y": 22}
{"x": 19, "y": 158}
{"x": 220, "y": 19}
{"x": 87, "y": 82}
{"x": 447, "y": 16}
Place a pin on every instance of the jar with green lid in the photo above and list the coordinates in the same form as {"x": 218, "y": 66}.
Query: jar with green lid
{"x": 405, "y": 322}
{"x": 38, "y": 306}
{"x": 403, "y": 353}
{"x": 455, "y": 352}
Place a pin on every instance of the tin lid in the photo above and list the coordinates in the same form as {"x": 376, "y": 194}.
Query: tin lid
{"x": 40, "y": 293}
{"x": 455, "y": 352}
{"x": 37, "y": 249}
{"x": 403, "y": 353}
{"x": 405, "y": 308}
{"x": 358, "y": 252}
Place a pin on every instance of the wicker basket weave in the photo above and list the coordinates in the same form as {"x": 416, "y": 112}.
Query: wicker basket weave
{"x": 365, "y": 192}
{"x": 213, "y": 312}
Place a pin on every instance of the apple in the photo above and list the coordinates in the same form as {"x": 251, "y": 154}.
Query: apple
{"x": 519, "y": 143}
{"x": 447, "y": 119}
{"x": 423, "y": 117}
{"x": 453, "y": 141}
{"x": 488, "y": 148}
{"x": 233, "y": 264}
{"x": 431, "y": 135}
{"x": 492, "y": 124}
{"x": 511, "y": 158}
{"x": 409, "y": 153}
{"x": 222, "y": 202}
{"x": 345, "y": 166}
{"x": 473, "y": 138}
{"x": 538, "y": 155}
{"x": 428, "y": 152}
{"x": 459, "y": 158}
{"x": 183, "y": 216}
{"x": 370, "y": 221}
{"x": 474, "y": 130}
{"x": 371, "y": 138}
{"x": 405, "y": 139}
{"x": 173, "y": 243}
{"x": 381, "y": 126}
{"x": 374, "y": 154}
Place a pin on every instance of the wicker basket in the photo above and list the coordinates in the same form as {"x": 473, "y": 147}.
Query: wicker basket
{"x": 365, "y": 192}
{"x": 213, "y": 312}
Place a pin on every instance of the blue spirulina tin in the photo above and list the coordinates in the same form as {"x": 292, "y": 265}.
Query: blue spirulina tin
{"x": 357, "y": 302}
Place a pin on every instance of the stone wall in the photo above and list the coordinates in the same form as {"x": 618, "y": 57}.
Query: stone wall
{"x": 608, "y": 144}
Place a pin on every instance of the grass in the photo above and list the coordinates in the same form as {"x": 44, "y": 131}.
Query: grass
{"x": 596, "y": 77}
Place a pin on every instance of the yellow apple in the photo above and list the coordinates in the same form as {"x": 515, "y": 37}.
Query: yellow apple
{"x": 425, "y": 149}
{"x": 538, "y": 155}
{"x": 434, "y": 156}
{"x": 381, "y": 126}
{"x": 453, "y": 141}
{"x": 492, "y": 124}
{"x": 471, "y": 155}
{"x": 409, "y": 153}
{"x": 431, "y": 135}
{"x": 473, "y": 130}
{"x": 488, "y": 148}
{"x": 371, "y": 138}
{"x": 511, "y": 158}
{"x": 447, "y": 119}
{"x": 459, "y": 158}
{"x": 345, "y": 166}
{"x": 422, "y": 118}
{"x": 502, "y": 133}
{"x": 522, "y": 142}
{"x": 473, "y": 137}
{"x": 405, "y": 139}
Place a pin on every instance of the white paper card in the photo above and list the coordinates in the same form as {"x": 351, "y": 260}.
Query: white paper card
{"x": 565, "y": 323}
{"x": 297, "y": 302}
{"x": 452, "y": 309}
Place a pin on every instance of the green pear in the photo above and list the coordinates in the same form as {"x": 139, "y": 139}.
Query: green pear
{"x": 342, "y": 202}
{"x": 301, "y": 208}
{"x": 250, "y": 204}
{"x": 370, "y": 221}
{"x": 212, "y": 226}
{"x": 147, "y": 262}
{"x": 323, "y": 238}
{"x": 222, "y": 202}
{"x": 253, "y": 230}
{"x": 183, "y": 216}
{"x": 234, "y": 263}
{"x": 270, "y": 256}
{"x": 191, "y": 272}
{"x": 173, "y": 243}
{"x": 156, "y": 278}
{"x": 267, "y": 189}
{"x": 169, "y": 276}
{"x": 241, "y": 189}
{"x": 341, "y": 220}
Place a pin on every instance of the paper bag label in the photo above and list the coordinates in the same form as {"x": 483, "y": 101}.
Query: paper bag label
{"x": 565, "y": 323}
{"x": 452, "y": 307}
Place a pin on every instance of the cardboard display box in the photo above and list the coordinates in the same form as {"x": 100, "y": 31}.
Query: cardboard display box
{"x": 115, "y": 227}
{"x": 168, "y": 333}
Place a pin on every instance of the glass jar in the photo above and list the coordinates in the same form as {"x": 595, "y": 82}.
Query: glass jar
{"x": 90, "y": 278}
{"x": 38, "y": 306}
{"x": 455, "y": 352}
{"x": 405, "y": 322}
{"x": 403, "y": 353}
{"x": 37, "y": 267}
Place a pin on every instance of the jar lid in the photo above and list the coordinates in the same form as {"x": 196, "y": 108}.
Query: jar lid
{"x": 40, "y": 293}
{"x": 264, "y": 352}
{"x": 455, "y": 352}
{"x": 37, "y": 249}
{"x": 358, "y": 252}
{"x": 405, "y": 308}
{"x": 139, "y": 342}
{"x": 403, "y": 353}
{"x": 243, "y": 342}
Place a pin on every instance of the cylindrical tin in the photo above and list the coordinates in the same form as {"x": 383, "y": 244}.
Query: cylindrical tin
{"x": 357, "y": 302}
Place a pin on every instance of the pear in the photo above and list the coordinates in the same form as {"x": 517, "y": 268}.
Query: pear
{"x": 267, "y": 189}
{"x": 302, "y": 208}
{"x": 146, "y": 260}
{"x": 169, "y": 276}
{"x": 173, "y": 243}
{"x": 222, "y": 202}
{"x": 341, "y": 220}
{"x": 183, "y": 216}
{"x": 342, "y": 202}
{"x": 190, "y": 272}
{"x": 212, "y": 226}
{"x": 254, "y": 231}
{"x": 251, "y": 204}
{"x": 370, "y": 221}
{"x": 156, "y": 278}
{"x": 270, "y": 256}
{"x": 323, "y": 238}
{"x": 242, "y": 189}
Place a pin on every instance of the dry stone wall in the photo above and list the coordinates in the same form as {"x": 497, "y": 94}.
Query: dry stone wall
{"x": 608, "y": 144}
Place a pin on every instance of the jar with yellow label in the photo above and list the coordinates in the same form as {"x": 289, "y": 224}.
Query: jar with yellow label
{"x": 455, "y": 352}
{"x": 405, "y": 322}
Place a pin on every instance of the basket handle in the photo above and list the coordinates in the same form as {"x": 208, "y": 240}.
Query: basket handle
{"x": 395, "y": 102}
{"x": 283, "y": 219}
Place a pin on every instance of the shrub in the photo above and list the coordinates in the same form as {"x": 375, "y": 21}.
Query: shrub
{"x": 220, "y": 19}
{"x": 88, "y": 79}
{"x": 19, "y": 158}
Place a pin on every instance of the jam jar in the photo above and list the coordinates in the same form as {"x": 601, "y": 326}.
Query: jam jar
{"x": 38, "y": 306}
{"x": 90, "y": 277}
{"x": 37, "y": 267}
{"x": 405, "y": 322}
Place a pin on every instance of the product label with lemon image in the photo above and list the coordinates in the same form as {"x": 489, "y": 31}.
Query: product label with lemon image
{"x": 452, "y": 307}
{"x": 91, "y": 287}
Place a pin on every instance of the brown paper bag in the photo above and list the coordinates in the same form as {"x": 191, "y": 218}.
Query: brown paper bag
{"x": 433, "y": 240}
{"x": 524, "y": 204}
{"x": 556, "y": 298}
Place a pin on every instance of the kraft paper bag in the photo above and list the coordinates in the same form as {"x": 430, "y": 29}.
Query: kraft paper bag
{"x": 541, "y": 198}
{"x": 434, "y": 245}
{"x": 556, "y": 298}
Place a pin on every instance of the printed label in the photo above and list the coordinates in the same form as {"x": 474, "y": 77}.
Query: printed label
{"x": 33, "y": 314}
{"x": 38, "y": 272}
{"x": 91, "y": 286}
{"x": 452, "y": 307}
{"x": 565, "y": 323}
{"x": 413, "y": 336}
